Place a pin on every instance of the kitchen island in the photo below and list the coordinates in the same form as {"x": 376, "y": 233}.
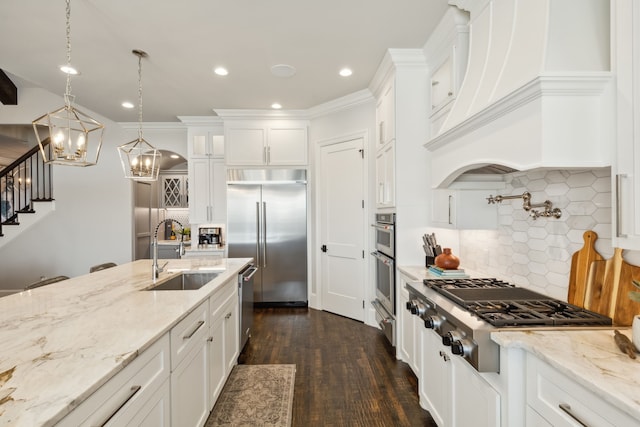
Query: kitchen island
{"x": 61, "y": 343}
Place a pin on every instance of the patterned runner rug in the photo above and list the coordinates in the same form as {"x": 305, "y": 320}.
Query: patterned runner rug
{"x": 256, "y": 395}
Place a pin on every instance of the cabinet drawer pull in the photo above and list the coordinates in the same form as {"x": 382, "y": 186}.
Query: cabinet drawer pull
{"x": 200, "y": 323}
{"x": 566, "y": 408}
{"x": 134, "y": 390}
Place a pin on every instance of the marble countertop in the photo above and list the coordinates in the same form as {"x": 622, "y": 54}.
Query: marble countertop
{"x": 590, "y": 358}
{"x": 60, "y": 343}
{"x": 417, "y": 273}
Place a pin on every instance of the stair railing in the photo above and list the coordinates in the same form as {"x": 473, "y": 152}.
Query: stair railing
{"x": 24, "y": 181}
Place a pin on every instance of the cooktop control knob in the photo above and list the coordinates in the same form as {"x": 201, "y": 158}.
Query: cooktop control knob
{"x": 461, "y": 347}
{"x": 450, "y": 337}
{"x": 418, "y": 309}
{"x": 409, "y": 305}
{"x": 433, "y": 322}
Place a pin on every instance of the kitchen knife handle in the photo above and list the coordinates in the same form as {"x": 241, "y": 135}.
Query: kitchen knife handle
{"x": 619, "y": 178}
{"x": 566, "y": 408}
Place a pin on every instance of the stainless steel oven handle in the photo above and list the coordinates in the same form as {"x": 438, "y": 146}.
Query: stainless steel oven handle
{"x": 385, "y": 260}
{"x": 383, "y": 227}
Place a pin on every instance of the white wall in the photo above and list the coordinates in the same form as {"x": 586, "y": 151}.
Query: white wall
{"x": 92, "y": 220}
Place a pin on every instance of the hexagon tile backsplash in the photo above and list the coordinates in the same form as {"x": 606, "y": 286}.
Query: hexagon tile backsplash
{"x": 536, "y": 254}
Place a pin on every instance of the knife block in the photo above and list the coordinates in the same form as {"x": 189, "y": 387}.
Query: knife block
{"x": 429, "y": 260}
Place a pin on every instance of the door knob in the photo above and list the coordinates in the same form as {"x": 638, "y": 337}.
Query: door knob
{"x": 323, "y": 248}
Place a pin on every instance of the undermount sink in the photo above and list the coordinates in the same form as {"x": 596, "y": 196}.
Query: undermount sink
{"x": 185, "y": 282}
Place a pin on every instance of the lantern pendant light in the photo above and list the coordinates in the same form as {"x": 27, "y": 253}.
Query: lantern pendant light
{"x": 74, "y": 137}
{"x": 140, "y": 160}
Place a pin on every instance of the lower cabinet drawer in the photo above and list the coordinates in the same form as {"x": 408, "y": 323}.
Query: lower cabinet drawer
{"x": 561, "y": 401}
{"x": 189, "y": 333}
{"x": 128, "y": 395}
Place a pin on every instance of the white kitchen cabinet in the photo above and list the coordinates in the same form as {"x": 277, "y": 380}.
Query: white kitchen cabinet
{"x": 405, "y": 340}
{"x": 174, "y": 190}
{"x": 189, "y": 388}
{"x": 385, "y": 146}
{"x": 190, "y": 369}
{"x": 207, "y": 191}
{"x": 385, "y": 176}
{"x": 206, "y": 143}
{"x": 626, "y": 168}
{"x": 409, "y": 330}
{"x": 138, "y": 395}
{"x": 386, "y": 115}
{"x": 464, "y": 209}
{"x": 561, "y": 401}
{"x": 223, "y": 337}
{"x": 446, "y": 51}
{"x": 262, "y": 143}
{"x": 207, "y": 181}
{"x": 452, "y": 390}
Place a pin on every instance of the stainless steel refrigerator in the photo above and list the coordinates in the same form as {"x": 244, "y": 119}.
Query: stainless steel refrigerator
{"x": 267, "y": 220}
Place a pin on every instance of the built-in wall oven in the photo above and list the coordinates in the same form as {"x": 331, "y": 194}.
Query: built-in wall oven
{"x": 385, "y": 276}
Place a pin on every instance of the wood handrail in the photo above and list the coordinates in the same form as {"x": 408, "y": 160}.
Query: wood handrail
{"x": 23, "y": 158}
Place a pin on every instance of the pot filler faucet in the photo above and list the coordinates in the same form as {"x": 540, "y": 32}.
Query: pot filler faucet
{"x": 155, "y": 270}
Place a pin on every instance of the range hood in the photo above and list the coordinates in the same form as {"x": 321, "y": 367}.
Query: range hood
{"x": 537, "y": 92}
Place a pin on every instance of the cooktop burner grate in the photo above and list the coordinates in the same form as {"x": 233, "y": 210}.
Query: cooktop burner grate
{"x": 502, "y": 304}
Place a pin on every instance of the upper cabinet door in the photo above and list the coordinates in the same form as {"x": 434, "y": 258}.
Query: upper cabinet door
{"x": 287, "y": 146}
{"x": 264, "y": 143}
{"x": 245, "y": 145}
{"x": 626, "y": 167}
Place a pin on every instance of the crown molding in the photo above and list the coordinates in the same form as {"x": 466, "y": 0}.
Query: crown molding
{"x": 346, "y": 102}
{"x": 152, "y": 125}
{"x": 201, "y": 120}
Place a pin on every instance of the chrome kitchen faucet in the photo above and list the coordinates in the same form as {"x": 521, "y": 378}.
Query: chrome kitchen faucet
{"x": 155, "y": 270}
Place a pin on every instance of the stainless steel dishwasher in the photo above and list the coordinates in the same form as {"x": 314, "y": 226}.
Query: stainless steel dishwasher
{"x": 245, "y": 298}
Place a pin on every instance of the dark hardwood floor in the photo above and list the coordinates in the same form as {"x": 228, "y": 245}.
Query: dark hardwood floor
{"x": 346, "y": 374}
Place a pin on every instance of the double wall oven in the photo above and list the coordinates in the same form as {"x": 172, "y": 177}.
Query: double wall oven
{"x": 385, "y": 276}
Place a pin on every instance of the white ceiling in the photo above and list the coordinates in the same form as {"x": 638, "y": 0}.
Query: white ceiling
{"x": 186, "y": 39}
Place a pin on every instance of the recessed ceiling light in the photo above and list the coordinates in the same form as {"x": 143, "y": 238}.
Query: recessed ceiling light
{"x": 68, "y": 69}
{"x": 127, "y": 104}
{"x": 346, "y": 72}
{"x": 276, "y": 106}
{"x": 221, "y": 71}
{"x": 283, "y": 70}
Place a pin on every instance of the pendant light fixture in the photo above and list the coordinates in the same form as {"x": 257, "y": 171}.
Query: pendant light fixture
{"x": 74, "y": 136}
{"x": 140, "y": 160}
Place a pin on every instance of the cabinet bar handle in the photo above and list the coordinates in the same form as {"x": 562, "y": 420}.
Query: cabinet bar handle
{"x": 200, "y": 323}
{"x": 264, "y": 234}
{"x": 450, "y": 198}
{"x": 566, "y": 408}
{"x": 258, "y": 233}
{"x": 619, "y": 205}
{"x": 134, "y": 390}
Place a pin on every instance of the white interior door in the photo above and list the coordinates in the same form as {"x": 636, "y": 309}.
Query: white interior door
{"x": 342, "y": 228}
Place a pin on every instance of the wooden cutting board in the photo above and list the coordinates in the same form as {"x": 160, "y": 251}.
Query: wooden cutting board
{"x": 623, "y": 309}
{"x": 580, "y": 264}
{"x": 599, "y": 287}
